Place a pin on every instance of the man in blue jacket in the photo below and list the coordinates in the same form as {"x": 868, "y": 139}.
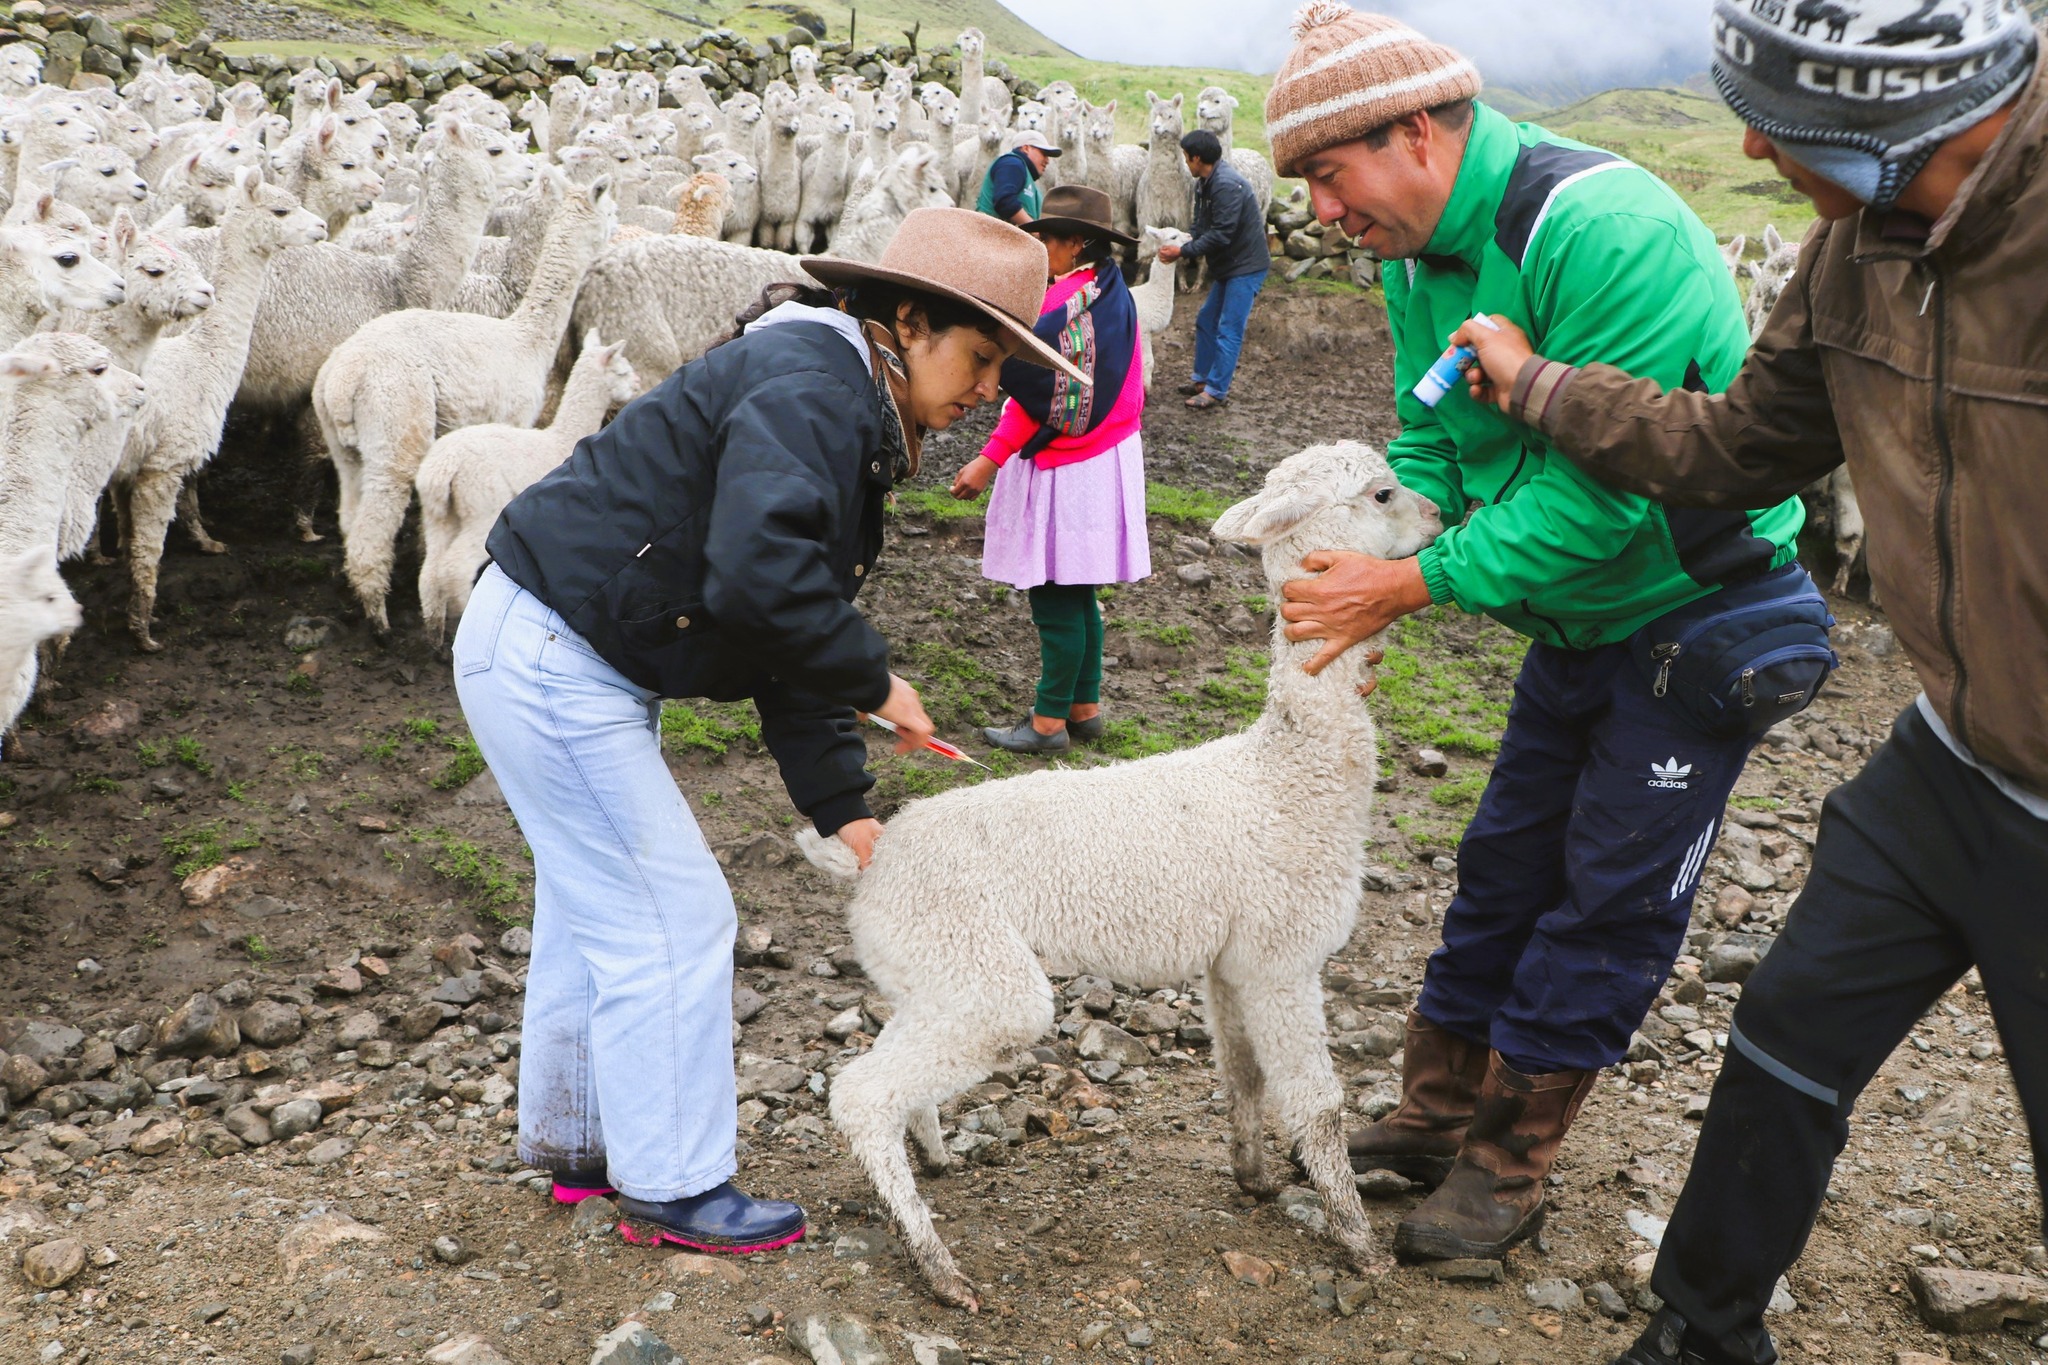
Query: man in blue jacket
{"x": 1230, "y": 234}
{"x": 1010, "y": 189}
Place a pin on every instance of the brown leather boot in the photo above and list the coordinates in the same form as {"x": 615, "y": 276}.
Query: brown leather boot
{"x": 1440, "y": 1075}
{"x": 1493, "y": 1197}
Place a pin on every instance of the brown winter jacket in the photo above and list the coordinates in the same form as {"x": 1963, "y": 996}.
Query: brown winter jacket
{"x": 1919, "y": 356}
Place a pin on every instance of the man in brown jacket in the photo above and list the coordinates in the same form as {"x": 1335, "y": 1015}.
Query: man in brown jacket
{"x": 1912, "y": 343}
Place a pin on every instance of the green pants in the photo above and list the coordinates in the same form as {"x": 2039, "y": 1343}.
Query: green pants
{"x": 1069, "y": 647}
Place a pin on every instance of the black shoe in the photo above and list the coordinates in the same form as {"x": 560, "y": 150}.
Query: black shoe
{"x": 1023, "y": 739}
{"x": 1087, "y": 731}
{"x": 718, "y": 1220}
{"x": 1668, "y": 1340}
{"x": 1190, "y": 389}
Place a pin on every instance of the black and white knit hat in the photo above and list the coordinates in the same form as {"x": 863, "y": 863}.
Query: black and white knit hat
{"x": 1863, "y": 91}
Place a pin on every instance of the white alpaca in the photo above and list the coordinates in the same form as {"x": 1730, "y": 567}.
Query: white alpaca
{"x": 898, "y": 81}
{"x": 971, "y": 156}
{"x": 781, "y": 175}
{"x": 942, "y": 107}
{"x": 193, "y": 376}
{"x": 21, "y": 68}
{"x": 34, "y": 606}
{"x": 911, "y": 181}
{"x": 743, "y": 204}
{"x": 390, "y": 389}
{"x": 96, "y": 180}
{"x": 330, "y": 172}
{"x": 697, "y": 126}
{"x": 1239, "y": 862}
{"x": 826, "y": 174}
{"x": 701, "y": 205}
{"x": 743, "y": 124}
{"x": 1166, "y": 191}
{"x": 1216, "y": 110}
{"x": 803, "y": 64}
{"x": 43, "y": 269}
{"x": 1098, "y": 135}
{"x": 568, "y": 103}
{"x": 1154, "y": 298}
{"x": 670, "y": 298}
{"x": 505, "y": 264}
{"x": 60, "y": 389}
{"x": 471, "y": 473}
{"x": 973, "y": 69}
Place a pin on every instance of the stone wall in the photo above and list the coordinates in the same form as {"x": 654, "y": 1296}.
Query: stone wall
{"x": 84, "y": 44}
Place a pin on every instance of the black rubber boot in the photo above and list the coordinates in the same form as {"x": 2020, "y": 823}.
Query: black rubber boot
{"x": 1669, "y": 1341}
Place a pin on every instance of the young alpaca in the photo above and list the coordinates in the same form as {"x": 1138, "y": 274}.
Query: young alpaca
{"x": 743, "y": 203}
{"x": 973, "y": 67}
{"x": 1166, "y": 192}
{"x": 1216, "y": 110}
{"x": 471, "y": 473}
{"x": 1239, "y": 862}
{"x": 701, "y": 205}
{"x": 34, "y": 606}
{"x": 1155, "y": 296}
{"x": 387, "y": 391}
{"x": 826, "y": 174}
{"x": 910, "y": 181}
{"x": 781, "y": 175}
{"x": 193, "y": 376}
{"x": 43, "y": 269}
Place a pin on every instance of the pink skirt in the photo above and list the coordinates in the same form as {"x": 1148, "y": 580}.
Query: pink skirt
{"x": 1080, "y": 523}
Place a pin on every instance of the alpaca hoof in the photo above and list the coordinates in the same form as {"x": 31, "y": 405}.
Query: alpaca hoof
{"x": 956, "y": 1292}
{"x": 145, "y": 643}
{"x": 209, "y": 546}
{"x": 936, "y": 1165}
{"x": 1258, "y": 1184}
{"x": 97, "y": 560}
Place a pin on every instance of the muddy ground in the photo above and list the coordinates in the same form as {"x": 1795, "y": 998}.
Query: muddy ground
{"x": 316, "y": 784}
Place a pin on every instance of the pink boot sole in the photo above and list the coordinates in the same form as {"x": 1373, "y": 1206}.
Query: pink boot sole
{"x": 654, "y": 1237}
{"x": 569, "y": 1194}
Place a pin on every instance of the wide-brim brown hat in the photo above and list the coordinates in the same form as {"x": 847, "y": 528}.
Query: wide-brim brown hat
{"x": 971, "y": 258}
{"x": 1077, "y": 211}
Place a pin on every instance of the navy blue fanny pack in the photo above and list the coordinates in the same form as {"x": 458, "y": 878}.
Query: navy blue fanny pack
{"x": 1740, "y": 660}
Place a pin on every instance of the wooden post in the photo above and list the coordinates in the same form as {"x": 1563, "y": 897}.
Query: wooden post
{"x": 852, "y": 23}
{"x": 911, "y": 33}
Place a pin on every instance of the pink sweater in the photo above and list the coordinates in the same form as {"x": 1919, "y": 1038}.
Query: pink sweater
{"x": 1015, "y": 427}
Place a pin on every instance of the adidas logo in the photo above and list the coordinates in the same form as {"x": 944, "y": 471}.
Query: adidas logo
{"x": 1670, "y": 774}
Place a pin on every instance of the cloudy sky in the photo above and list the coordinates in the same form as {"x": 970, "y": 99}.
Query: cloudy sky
{"x": 1517, "y": 43}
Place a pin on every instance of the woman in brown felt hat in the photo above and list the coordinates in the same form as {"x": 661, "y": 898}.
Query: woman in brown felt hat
{"x": 1068, "y": 511}
{"x": 709, "y": 543}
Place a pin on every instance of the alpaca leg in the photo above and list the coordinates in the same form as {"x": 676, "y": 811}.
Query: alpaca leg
{"x": 348, "y": 478}
{"x": 1244, "y": 1088}
{"x": 188, "y": 512}
{"x": 1848, "y": 528}
{"x": 153, "y": 499}
{"x": 1286, "y": 1034}
{"x": 931, "y": 1146}
{"x": 373, "y": 542}
{"x": 312, "y": 466}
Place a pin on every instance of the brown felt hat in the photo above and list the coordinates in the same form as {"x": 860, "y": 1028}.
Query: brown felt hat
{"x": 970, "y": 258}
{"x": 1077, "y": 211}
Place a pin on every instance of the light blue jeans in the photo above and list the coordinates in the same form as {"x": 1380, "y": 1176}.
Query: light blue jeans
{"x": 626, "y": 1054}
{"x": 1219, "y": 330}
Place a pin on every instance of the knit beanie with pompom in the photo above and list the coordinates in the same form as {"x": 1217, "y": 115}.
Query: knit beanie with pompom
{"x": 1352, "y": 73}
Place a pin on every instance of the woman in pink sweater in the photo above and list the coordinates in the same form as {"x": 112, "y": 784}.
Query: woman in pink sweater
{"x": 1068, "y": 512}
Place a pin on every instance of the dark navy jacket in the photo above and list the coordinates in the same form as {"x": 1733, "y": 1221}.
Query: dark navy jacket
{"x": 1229, "y": 233}
{"x": 709, "y": 543}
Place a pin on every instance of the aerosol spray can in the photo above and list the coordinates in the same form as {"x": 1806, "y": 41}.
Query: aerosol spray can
{"x": 1449, "y": 368}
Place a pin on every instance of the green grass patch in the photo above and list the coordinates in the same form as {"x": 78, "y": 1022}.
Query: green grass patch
{"x": 254, "y": 948}
{"x": 1460, "y": 793}
{"x": 467, "y": 762}
{"x": 1447, "y": 692}
{"x": 1185, "y": 506}
{"x": 299, "y": 763}
{"x": 960, "y": 693}
{"x": 422, "y": 728}
{"x": 152, "y": 754}
{"x": 95, "y": 783}
{"x": 1173, "y": 637}
{"x": 382, "y": 748}
{"x": 194, "y": 848}
{"x": 488, "y": 880}
{"x": 708, "y": 726}
{"x": 929, "y": 500}
{"x": 188, "y": 752}
{"x": 1756, "y": 803}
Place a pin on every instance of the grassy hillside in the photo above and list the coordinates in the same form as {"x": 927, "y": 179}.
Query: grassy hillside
{"x": 1695, "y": 144}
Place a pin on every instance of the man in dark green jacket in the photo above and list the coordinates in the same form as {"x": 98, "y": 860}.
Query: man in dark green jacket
{"x": 1576, "y": 875}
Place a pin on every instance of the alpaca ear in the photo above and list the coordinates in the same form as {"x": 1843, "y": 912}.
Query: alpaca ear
{"x": 1176, "y": 99}
{"x": 20, "y": 365}
{"x": 1151, "y": 98}
{"x": 247, "y": 179}
{"x": 124, "y": 232}
{"x": 1110, "y": 107}
{"x": 1266, "y": 516}
{"x": 324, "y": 133}
{"x": 1772, "y": 241}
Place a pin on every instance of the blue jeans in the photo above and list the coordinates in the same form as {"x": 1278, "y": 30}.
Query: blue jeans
{"x": 626, "y": 1054}
{"x": 1219, "y": 330}
{"x": 1576, "y": 876}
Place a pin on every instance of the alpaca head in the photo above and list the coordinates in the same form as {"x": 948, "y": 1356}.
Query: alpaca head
{"x": 700, "y": 119}
{"x": 312, "y": 87}
{"x": 837, "y": 116}
{"x": 163, "y": 284}
{"x": 129, "y": 131}
{"x": 265, "y": 219}
{"x": 1100, "y": 122}
{"x": 803, "y": 61}
{"x": 943, "y": 106}
{"x": 913, "y": 180}
{"x": 897, "y": 80}
{"x": 340, "y": 179}
{"x": 1214, "y": 108}
{"x": 971, "y": 42}
{"x": 1731, "y": 252}
{"x": 1153, "y": 238}
{"x": 403, "y": 124}
{"x": 1332, "y": 497}
{"x": 642, "y": 92}
{"x": 102, "y": 180}
{"x": 1032, "y": 117}
{"x": 57, "y": 129}
{"x": 61, "y": 268}
{"x": 164, "y": 101}
{"x": 34, "y": 603}
{"x": 736, "y": 169}
{"x": 845, "y": 83}
{"x": 1768, "y": 277}
{"x": 1167, "y": 124}
{"x": 21, "y": 67}
{"x": 604, "y": 363}
{"x": 888, "y": 113}
{"x": 72, "y": 382}
{"x": 1059, "y": 95}
{"x": 743, "y": 110}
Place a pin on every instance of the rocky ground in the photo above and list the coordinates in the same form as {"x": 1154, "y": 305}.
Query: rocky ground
{"x": 261, "y": 991}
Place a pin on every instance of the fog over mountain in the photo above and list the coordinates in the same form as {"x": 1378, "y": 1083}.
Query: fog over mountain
{"x": 1558, "y": 47}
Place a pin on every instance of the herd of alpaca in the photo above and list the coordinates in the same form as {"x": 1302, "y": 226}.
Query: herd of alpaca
{"x": 374, "y": 278}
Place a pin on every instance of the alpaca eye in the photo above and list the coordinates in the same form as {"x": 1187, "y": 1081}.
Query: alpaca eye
{"x": 1383, "y": 496}
{"x": 152, "y": 272}
{"x": 279, "y": 213}
{"x": 98, "y": 370}
{"x": 68, "y": 259}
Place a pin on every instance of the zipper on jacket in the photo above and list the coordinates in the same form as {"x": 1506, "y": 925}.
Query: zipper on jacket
{"x": 1505, "y": 488}
{"x": 1564, "y": 641}
{"x": 1944, "y": 537}
{"x": 1665, "y": 655}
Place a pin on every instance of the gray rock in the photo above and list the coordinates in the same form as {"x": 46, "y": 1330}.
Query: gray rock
{"x": 632, "y": 1343}
{"x": 1429, "y": 763}
{"x": 304, "y": 1353}
{"x": 1141, "y": 1335}
{"x": 198, "y": 1028}
{"x": 39, "y": 1040}
{"x": 746, "y": 1003}
{"x": 1100, "y": 1039}
{"x": 294, "y": 1117}
{"x": 1555, "y": 1296}
{"x": 328, "y": 1152}
{"x": 451, "y": 1250}
{"x": 863, "y": 1244}
{"x": 768, "y": 1077}
{"x": 357, "y": 1029}
{"x": 53, "y": 1264}
{"x": 248, "y": 1125}
{"x": 843, "y": 1025}
{"x": 1733, "y": 959}
{"x": 465, "y": 989}
{"x": 1383, "y": 1184}
{"x": 1754, "y": 876}
{"x": 1196, "y": 575}
{"x": 1877, "y": 639}
{"x": 1976, "y": 1300}
{"x": 261, "y": 906}
{"x": 516, "y": 941}
{"x": 481, "y": 790}
{"x": 303, "y": 634}
{"x": 835, "y": 1339}
{"x": 1607, "y": 1301}
{"x": 593, "y": 1216}
{"x": 20, "y": 1078}
{"x": 1151, "y": 1018}
{"x": 271, "y": 1023}
{"x": 1471, "y": 1271}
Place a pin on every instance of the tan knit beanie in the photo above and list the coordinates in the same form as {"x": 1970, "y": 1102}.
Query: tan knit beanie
{"x": 1350, "y": 73}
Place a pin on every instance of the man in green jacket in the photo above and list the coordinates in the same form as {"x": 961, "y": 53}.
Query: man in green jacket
{"x": 1576, "y": 875}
